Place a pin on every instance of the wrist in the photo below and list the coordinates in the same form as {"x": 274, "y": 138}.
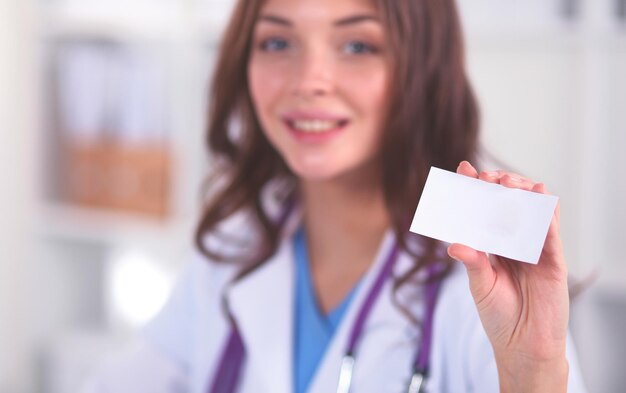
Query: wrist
{"x": 522, "y": 374}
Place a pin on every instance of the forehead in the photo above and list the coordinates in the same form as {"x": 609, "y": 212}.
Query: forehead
{"x": 303, "y": 11}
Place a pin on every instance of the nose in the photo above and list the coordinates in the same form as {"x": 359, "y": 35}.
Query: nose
{"x": 314, "y": 76}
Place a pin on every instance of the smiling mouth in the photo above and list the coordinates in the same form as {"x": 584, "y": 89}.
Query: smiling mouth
{"x": 316, "y": 126}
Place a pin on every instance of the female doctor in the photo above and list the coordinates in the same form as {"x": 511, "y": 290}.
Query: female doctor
{"x": 326, "y": 116}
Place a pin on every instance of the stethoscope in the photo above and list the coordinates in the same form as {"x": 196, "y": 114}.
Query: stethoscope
{"x": 229, "y": 368}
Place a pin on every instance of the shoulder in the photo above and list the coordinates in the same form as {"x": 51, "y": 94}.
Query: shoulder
{"x": 455, "y": 305}
{"x": 462, "y": 356}
{"x": 455, "y": 289}
{"x": 456, "y": 316}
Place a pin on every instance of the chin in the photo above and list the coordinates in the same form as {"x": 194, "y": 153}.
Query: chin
{"x": 315, "y": 175}
{"x": 315, "y": 172}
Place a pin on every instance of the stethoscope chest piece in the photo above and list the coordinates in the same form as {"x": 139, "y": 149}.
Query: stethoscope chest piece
{"x": 345, "y": 374}
{"x": 417, "y": 383}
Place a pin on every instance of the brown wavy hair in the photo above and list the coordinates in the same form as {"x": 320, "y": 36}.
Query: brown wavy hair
{"x": 432, "y": 120}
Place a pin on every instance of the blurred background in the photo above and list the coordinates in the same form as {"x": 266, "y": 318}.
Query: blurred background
{"x": 102, "y": 111}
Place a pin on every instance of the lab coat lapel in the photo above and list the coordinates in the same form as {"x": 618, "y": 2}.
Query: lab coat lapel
{"x": 262, "y": 305}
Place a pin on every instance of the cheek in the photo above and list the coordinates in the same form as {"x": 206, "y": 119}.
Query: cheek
{"x": 258, "y": 89}
{"x": 377, "y": 88}
{"x": 266, "y": 86}
{"x": 368, "y": 93}
{"x": 367, "y": 88}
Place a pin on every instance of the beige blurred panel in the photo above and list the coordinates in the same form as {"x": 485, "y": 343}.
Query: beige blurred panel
{"x": 616, "y": 161}
{"x": 117, "y": 177}
{"x": 16, "y": 199}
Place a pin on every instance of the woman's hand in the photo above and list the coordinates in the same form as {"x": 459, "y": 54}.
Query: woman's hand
{"x": 524, "y": 308}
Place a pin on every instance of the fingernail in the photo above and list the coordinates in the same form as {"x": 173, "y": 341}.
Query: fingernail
{"x": 452, "y": 255}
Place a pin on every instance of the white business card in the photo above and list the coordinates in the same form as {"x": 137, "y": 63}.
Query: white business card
{"x": 488, "y": 217}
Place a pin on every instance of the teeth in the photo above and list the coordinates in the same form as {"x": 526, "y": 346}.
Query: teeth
{"x": 315, "y": 125}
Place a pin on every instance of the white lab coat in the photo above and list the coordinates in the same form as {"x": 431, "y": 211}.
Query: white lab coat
{"x": 180, "y": 348}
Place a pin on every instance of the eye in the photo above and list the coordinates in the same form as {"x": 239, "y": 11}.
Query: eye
{"x": 273, "y": 44}
{"x": 359, "y": 47}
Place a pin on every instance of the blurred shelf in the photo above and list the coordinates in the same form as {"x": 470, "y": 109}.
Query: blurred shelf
{"x": 71, "y": 223}
{"x": 153, "y": 23}
{"x": 111, "y": 22}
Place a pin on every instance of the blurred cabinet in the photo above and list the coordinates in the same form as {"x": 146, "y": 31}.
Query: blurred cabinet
{"x": 112, "y": 126}
{"x": 121, "y": 163}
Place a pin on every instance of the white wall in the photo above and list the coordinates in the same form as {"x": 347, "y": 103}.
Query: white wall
{"x": 16, "y": 180}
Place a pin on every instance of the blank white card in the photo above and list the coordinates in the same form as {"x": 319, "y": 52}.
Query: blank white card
{"x": 509, "y": 222}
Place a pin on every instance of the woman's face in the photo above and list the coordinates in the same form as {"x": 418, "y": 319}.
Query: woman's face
{"x": 318, "y": 75}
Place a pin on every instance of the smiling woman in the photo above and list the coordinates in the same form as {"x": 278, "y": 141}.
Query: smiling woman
{"x": 307, "y": 278}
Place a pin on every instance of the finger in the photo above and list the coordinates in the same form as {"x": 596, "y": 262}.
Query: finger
{"x": 553, "y": 245}
{"x": 541, "y": 189}
{"x": 490, "y": 176}
{"x": 481, "y": 275}
{"x": 554, "y": 229}
{"x": 552, "y": 252}
{"x": 465, "y": 168}
{"x": 514, "y": 181}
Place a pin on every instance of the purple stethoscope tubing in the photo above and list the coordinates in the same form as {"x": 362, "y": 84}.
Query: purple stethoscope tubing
{"x": 229, "y": 370}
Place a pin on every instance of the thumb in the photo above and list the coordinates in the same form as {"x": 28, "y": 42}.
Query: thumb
{"x": 481, "y": 275}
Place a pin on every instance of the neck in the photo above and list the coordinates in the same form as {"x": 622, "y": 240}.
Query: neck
{"x": 345, "y": 220}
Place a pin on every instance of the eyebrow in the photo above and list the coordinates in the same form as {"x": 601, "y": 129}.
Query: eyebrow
{"x": 275, "y": 20}
{"x": 350, "y": 20}
{"x": 356, "y": 19}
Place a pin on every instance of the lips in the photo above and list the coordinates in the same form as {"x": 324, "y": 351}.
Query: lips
{"x": 314, "y": 127}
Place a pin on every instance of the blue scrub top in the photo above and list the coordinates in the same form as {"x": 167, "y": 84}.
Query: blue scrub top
{"x": 313, "y": 330}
